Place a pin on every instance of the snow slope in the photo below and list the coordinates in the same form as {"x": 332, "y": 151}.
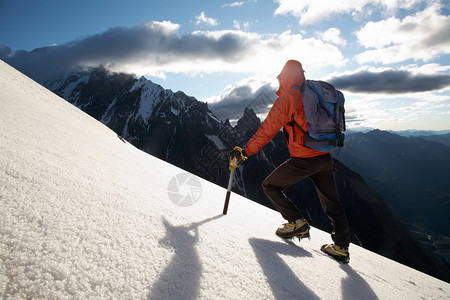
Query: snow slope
{"x": 86, "y": 215}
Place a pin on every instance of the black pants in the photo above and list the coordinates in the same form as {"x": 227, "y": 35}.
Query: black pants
{"x": 320, "y": 169}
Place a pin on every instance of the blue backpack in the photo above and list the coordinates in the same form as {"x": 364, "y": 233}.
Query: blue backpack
{"x": 324, "y": 114}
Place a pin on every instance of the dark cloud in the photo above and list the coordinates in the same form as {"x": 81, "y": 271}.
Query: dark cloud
{"x": 232, "y": 105}
{"x": 352, "y": 118}
{"x": 391, "y": 82}
{"x": 155, "y": 43}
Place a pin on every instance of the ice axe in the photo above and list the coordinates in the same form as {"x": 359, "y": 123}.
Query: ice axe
{"x": 234, "y": 162}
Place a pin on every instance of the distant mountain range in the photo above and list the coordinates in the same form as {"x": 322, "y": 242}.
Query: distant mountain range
{"x": 407, "y": 133}
{"x": 410, "y": 173}
{"x": 183, "y": 131}
{"x": 440, "y": 138}
{"x": 420, "y": 133}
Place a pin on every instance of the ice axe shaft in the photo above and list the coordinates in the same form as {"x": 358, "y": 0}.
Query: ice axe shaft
{"x": 234, "y": 162}
{"x": 233, "y": 165}
{"x": 227, "y": 198}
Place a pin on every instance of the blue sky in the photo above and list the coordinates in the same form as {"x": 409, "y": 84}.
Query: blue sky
{"x": 391, "y": 58}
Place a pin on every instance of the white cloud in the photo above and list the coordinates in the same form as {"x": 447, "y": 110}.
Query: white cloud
{"x": 429, "y": 68}
{"x": 313, "y": 11}
{"x": 165, "y": 27}
{"x": 234, "y": 4}
{"x": 332, "y": 35}
{"x": 203, "y": 19}
{"x": 422, "y": 36}
{"x": 236, "y": 25}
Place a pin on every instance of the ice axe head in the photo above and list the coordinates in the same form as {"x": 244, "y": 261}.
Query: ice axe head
{"x": 235, "y": 157}
{"x": 233, "y": 163}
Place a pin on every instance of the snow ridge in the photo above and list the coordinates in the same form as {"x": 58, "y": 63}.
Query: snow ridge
{"x": 149, "y": 99}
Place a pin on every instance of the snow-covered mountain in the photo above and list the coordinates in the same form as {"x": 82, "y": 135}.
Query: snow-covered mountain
{"x": 184, "y": 132}
{"x": 86, "y": 215}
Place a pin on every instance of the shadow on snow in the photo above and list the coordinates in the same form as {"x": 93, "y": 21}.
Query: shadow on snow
{"x": 181, "y": 278}
{"x": 285, "y": 284}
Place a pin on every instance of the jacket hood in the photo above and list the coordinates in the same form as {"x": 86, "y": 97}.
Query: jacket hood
{"x": 291, "y": 75}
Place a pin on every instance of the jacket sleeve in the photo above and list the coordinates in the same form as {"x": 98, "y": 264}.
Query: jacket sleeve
{"x": 277, "y": 117}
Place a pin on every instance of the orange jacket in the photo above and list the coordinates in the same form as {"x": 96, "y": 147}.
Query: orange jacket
{"x": 289, "y": 103}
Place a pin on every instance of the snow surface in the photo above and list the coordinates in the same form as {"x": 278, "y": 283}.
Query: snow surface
{"x": 85, "y": 215}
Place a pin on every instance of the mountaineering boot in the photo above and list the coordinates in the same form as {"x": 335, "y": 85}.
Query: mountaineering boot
{"x": 339, "y": 253}
{"x": 298, "y": 228}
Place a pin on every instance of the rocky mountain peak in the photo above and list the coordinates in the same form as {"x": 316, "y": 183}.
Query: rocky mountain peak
{"x": 249, "y": 121}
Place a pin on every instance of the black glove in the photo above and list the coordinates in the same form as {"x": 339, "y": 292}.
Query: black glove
{"x": 239, "y": 154}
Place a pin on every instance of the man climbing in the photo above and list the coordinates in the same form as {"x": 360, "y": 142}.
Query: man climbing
{"x": 304, "y": 162}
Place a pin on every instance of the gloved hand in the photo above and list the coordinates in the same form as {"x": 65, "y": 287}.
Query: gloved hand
{"x": 238, "y": 153}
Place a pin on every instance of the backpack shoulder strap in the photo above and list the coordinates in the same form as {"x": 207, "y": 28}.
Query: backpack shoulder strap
{"x": 293, "y": 123}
